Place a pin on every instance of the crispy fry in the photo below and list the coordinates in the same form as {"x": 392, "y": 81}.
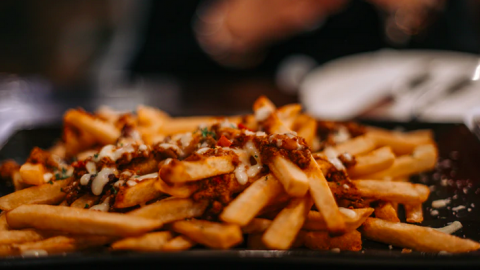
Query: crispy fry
{"x": 80, "y": 221}
{"x": 148, "y": 242}
{"x": 3, "y": 222}
{"x": 377, "y": 160}
{"x": 251, "y": 201}
{"x": 286, "y": 225}
{"x": 423, "y": 158}
{"x": 351, "y": 241}
{"x": 61, "y": 243}
{"x": 306, "y": 127}
{"x": 288, "y": 113}
{"x": 140, "y": 193}
{"x": 32, "y": 174}
{"x": 43, "y": 194}
{"x": 324, "y": 200}
{"x": 413, "y": 213}
{"x": 415, "y": 237}
{"x": 21, "y": 236}
{"x": 386, "y": 211}
{"x": 400, "y": 192}
{"x": 353, "y": 219}
{"x": 176, "y": 190}
{"x": 103, "y": 132}
{"x": 189, "y": 124}
{"x": 171, "y": 209}
{"x": 294, "y": 180}
{"x": 178, "y": 243}
{"x": 356, "y": 146}
{"x": 185, "y": 171}
{"x": 86, "y": 201}
{"x": 210, "y": 234}
{"x": 400, "y": 142}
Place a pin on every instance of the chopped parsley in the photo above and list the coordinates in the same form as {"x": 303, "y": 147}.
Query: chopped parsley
{"x": 61, "y": 190}
{"x": 64, "y": 171}
{"x": 95, "y": 156}
{"x": 233, "y": 126}
{"x": 114, "y": 191}
{"x": 206, "y": 132}
{"x": 50, "y": 182}
{"x": 86, "y": 206}
{"x": 255, "y": 156}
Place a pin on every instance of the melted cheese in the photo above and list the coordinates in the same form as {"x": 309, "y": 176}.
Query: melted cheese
{"x": 142, "y": 147}
{"x": 244, "y": 170}
{"x": 114, "y": 154}
{"x": 85, "y": 179}
{"x": 185, "y": 139}
{"x": 101, "y": 180}
{"x": 131, "y": 183}
{"x": 172, "y": 146}
{"x": 104, "y": 206}
{"x": 47, "y": 176}
{"x": 147, "y": 176}
{"x": 91, "y": 167}
{"x": 332, "y": 157}
{"x": 263, "y": 113}
{"x": 203, "y": 150}
{"x": 341, "y": 135}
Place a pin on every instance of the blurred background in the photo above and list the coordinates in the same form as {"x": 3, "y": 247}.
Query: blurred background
{"x": 409, "y": 60}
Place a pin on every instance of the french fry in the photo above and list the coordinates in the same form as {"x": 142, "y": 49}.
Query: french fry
{"x": 178, "y": 243}
{"x": 210, "y": 234}
{"x": 32, "y": 174}
{"x": 286, "y": 225}
{"x": 294, "y": 180}
{"x": 86, "y": 201}
{"x": 257, "y": 225}
{"x": 185, "y": 171}
{"x": 142, "y": 166}
{"x": 3, "y": 222}
{"x": 288, "y": 113}
{"x": 21, "y": 236}
{"x": 356, "y": 146}
{"x": 251, "y": 201}
{"x": 402, "y": 143}
{"x": 353, "y": 218}
{"x": 43, "y": 194}
{"x": 413, "y": 213}
{"x": 351, "y": 241}
{"x": 386, "y": 211}
{"x": 103, "y": 132}
{"x": 324, "y": 200}
{"x": 59, "y": 244}
{"x": 415, "y": 237}
{"x": 18, "y": 181}
{"x": 7, "y": 250}
{"x": 79, "y": 221}
{"x": 377, "y": 160}
{"x": 188, "y": 124}
{"x": 171, "y": 209}
{"x": 423, "y": 158}
{"x": 306, "y": 127}
{"x": 148, "y": 242}
{"x": 176, "y": 190}
{"x": 400, "y": 192}
{"x": 140, "y": 193}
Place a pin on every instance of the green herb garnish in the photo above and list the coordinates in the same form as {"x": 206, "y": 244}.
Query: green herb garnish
{"x": 50, "y": 182}
{"x": 86, "y": 206}
{"x": 95, "y": 156}
{"x": 206, "y": 132}
{"x": 114, "y": 191}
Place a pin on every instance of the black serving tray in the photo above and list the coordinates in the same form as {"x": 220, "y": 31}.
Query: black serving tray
{"x": 459, "y": 166}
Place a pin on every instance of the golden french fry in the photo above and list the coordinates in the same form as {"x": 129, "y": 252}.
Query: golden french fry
{"x": 386, "y": 211}
{"x": 185, "y": 171}
{"x": 356, "y": 146}
{"x": 401, "y": 192}
{"x": 351, "y": 241}
{"x": 286, "y": 225}
{"x": 288, "y": 113}
{"x": 18, "y": 181}
{"x": 423, "y": 158}
{"x": 306, "y": 127}
{"x": 3, "y": 222}
{"x": 86, "y": 201}
{"x": 33, "y": 174}
{"x": 353, "y": 219}
{"x": 178, "y": 243}
{"x": 59, "y": 244}
{"x": 401, "y": 143}
{"x": 43, "y": 194}
{"x": 103, "y": 132}
{"x": 21, "y": 236}
{"x": 171, "y": 209}
{"x": 210, "y": 234}
{"x": 7, "y": 250}
{"x": 148, "y": 242}
{"x": 189, "y": 124}
{"x": 324, "y": 200}
{"x": 415, "y": 237}
{"x": 294, "y": 180}
{"x": 149, "y": 116}
{"x": 58, "y": 149}
{"x": 252, "y": 200}
{"x": 377, "y": 160}
{"x": 142, "y": 166}
{"x": 257, "y": 225}
{"x": 413, "y": 213}
{"x": 80, "y": 221}
{"x": 176, "y": 190}
{"x": 140, "y": 193}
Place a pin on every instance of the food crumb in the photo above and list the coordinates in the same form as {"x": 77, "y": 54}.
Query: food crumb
{"x": 434, "y": 213}
{"x": 390, "y": 247}
{"x": 406, "y": 250}
{"x": 335, "y": 250}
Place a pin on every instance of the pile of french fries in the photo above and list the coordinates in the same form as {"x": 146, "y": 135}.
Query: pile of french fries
{"x": 274, "y": 179}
